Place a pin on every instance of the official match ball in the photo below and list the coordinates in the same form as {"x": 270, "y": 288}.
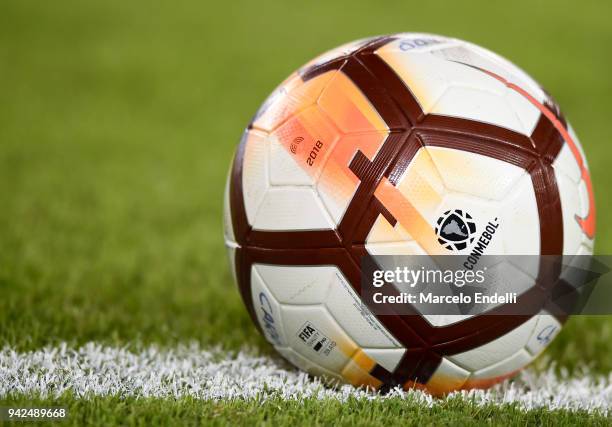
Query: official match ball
{"x": 408, "y": 144}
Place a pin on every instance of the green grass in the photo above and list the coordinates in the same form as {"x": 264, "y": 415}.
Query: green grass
{"x": 118, "y": 121}
{"x": 354, "y": 412}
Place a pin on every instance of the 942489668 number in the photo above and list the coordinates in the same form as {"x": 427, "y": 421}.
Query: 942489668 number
{"x": 8, "y": 413}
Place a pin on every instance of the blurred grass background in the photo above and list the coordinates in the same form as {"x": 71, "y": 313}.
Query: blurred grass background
{"x": 118, "y": 121}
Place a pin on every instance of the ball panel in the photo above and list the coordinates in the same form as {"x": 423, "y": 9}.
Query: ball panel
{"x": 506, "y": 276}
{"x": 395, "y": 248}
{"x": 519, "y": 211}
{"x": 305, "y": 364}
{"x": 228, "y": 228}
{"x": 348, "y": 108}
{"x": 298, "y": 150}
{"x": 255, "y": 179}
{"x": 383, "y": 232}
{"x": 307, "y": 138}
{"x": 403, "y": 211}
{"x": 443, "y": 84}
{"x": 314, "y": 334}
{"x": 584, "y": 201}
{"x": 572, "y": 204}
{"x": 422, "y": 184}
{"x": 566, "y": 163}
{"x": 484, "y": 58}
{"x": 357, "y": 371}
{"x": 461, "y": 100}
{"x": 337, "y": 183}
{"x": 388, "y": 358}
{"x": 267, "y": 310}
{"x": 284, "y": 168}
{"x": 577, "y": 143}
{"x": 230, "y": 249}
{"x": 526, "y": 113}
{"x": 439, "y": 320}
{"x": 292, "y": 208}
{"x": 495, "y": 351}
{"x": 475, "y": 174}
{"x": 298, "y": 285}
{"x": 418, "y": 42}
{"x": 419, "y": 72}
{"x": 346, "y": 307}
{"x": 448, "y": 377}
{"x": 476, "y": 193}
{"x": 574, "y": 195}
{"x": 413, "y": 201}
{"x": 338, "y": 52}
{"x": 545, "y": 330}
{"x": 278, "y": 106}
{"x": 502, "y": 368}
{"x": 290, "y": 97}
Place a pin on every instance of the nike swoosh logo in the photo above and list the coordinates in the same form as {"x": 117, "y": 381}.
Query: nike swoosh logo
{"x": 587, "y": 223}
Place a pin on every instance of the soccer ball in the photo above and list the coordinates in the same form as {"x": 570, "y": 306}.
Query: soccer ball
{"x": 402, "y": 144}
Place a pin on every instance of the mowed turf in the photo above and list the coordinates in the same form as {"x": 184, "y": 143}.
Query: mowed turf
{"x": 118, "y": 121}
{"x": 111, "y": 410}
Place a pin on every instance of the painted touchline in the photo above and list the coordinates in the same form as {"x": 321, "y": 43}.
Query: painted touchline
{"x": 212, "y": 374}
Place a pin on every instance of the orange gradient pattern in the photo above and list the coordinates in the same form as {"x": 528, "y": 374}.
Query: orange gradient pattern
{"x": 587, "y": 224}
{"x": 311, "y": 119}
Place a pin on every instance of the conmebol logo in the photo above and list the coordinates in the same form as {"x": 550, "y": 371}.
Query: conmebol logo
{"x": 455, "y": 229}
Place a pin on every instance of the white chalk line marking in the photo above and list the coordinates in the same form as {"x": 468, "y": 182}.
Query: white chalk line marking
{"x": 189, "y": 370}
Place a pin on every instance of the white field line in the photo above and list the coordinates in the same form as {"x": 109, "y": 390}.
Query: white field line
{"x": 99, "y": 370}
